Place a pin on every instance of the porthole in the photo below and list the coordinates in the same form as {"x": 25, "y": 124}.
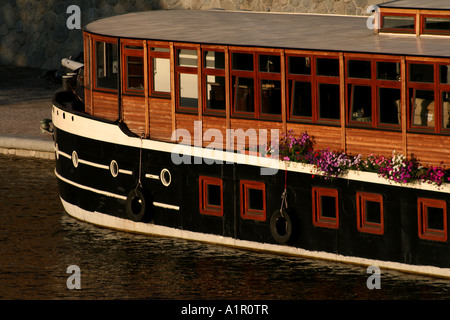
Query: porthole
{"x": 166, "y": 177}
{"x": 114, "y": 168}
{"x": 75, "y": 159}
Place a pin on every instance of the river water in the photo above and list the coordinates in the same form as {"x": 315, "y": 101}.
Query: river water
{"x": 38, "y": 242}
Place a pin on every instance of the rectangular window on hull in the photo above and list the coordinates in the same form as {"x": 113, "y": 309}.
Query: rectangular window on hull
{"x": 325, "y": 207}
{"x": 432, "y": 219}
{"x": 253, "y": 200}
{"x": 211, "y": 196}
{"x": 369, "y": 212}
{"x": 106, "y": 65}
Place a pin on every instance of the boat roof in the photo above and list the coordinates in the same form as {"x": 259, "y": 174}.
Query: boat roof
{"x": 267, "y": 29}
{"x": 418, "y": 4}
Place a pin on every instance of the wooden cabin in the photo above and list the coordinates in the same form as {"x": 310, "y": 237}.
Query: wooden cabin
{"x": 350, "y": 87}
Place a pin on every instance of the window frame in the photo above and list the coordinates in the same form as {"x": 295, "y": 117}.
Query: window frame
{"x": 318, "y": 219}
{"x": 397, "y": 30}
{"x": 204, "y": 207}
{"x": 427, "y": 233}
{"x": 186, "y": 70}
{"x": 423, "y": 17}
{"x": 212, "y": 72}
{"x": 246, "y": 212}
{"x": 128, "y": 52}
{"x": 161, "y": 55}
{"x": 326, "y": 79}
{"x": 94, "y": 82}
{"x": 362, "y": 223}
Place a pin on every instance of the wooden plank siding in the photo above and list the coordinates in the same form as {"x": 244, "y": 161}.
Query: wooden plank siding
{"x": 253, "y": 139}
{"x": 429, "y": 149}
{"x": 105, "y": 105}
{"x": 324, "y": 136}
{"x": 375, "y": 142}
{"x": 160, "y": 119}
{"x": 133, "y": 114}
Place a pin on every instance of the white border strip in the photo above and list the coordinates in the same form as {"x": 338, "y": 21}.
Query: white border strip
{"x": 103, "y": 131}
{"x": 104, "y": 220}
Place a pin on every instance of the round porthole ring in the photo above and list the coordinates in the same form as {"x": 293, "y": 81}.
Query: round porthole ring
{"x": 114, "y": 168}
{"x": 75, "y": 159}
{"x": 165, "y": 181}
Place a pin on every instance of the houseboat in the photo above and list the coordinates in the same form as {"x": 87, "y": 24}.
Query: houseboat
{"x": 323, "y": 136}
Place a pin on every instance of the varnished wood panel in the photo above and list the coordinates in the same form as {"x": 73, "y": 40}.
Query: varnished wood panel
{"x": 133, "y": 114}
{"x": 251, "y": 131}
{"x": 87, "y": 101}
{"x": 187, "y": 122}
{"x": 429, "y": 149}
{"x": 105, "y": 105}
{"x": 324, "y": 136}
{"x": 375, "y": 142}
{"x": 214, "y": 132}
{"x": 160, "y": 119}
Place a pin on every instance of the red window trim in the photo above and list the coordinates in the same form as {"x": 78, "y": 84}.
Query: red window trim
{"x": 186, "y": 70}
{"x": 425, "y": 232}
{"x": 206, "y": 208}
{"x": 246, "y": 212}
{"x": 397, "y": 30}
{"x": 363, "y": 224}
{"x": 318, "y": 219}
{"x": 128, "y": 52}
{"x": 156, "y": 54}
{"x": 94, "y": 62}
{"x": 433, "y": 32}
{"x": 212, "y": 72}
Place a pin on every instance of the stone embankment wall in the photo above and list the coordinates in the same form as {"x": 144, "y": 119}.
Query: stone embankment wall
{"x": 34, "y": 33}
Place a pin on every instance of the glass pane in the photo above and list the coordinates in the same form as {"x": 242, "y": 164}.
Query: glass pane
{"x": 135, "y": 73}
{"x": 421, "y": 72}
{"x": 444, "y": 72}
{"x": 435, "y": 218}
{"x": 255, "y": 199}
{"x": 388, "y": 70}
{"x": 214, "y": 59}
{"x": 213, "y": 195}
{"x": 106, "y": 64}
{"x": 329, "y": 101}
{"x": 422, "y": 107}
{"x": 188, "y": 91}
{"x": 398, "y": 22}
{"x": 389, "y": 105}
{"x": 300, "y": 65}
{"x": 271, "y": 97}
{"x": 243, "y": 91}
{"x": 360, "y": 100}
{"x": 301, "y": 100}
{"x": 359, "y": 69}
{"x": 134, "y": 47}
{"x": 187, "y": 58}
{"x": 446, "y": 110}
{"x": 328, "y": 206}
{"x": 161, "y": 75}
{"x": 373, "y": 211}
{"x": 242, "y": 61}
{"x": 215, "y": 92}
{"x": 269, "y": 63}
{"x": 160, "y": 49}
{"x": 437, "y": 24}
{"x": 327, "y": 67}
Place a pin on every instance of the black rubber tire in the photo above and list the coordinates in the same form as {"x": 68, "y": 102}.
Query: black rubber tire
{"x": 281, "y": 227}
{"x": 136, "y": 205}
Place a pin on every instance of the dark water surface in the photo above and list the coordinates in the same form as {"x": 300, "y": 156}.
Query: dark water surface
{"x": 38, "y": 242}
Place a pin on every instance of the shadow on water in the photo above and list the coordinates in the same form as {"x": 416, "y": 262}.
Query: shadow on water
{"x": 38, "y": 241}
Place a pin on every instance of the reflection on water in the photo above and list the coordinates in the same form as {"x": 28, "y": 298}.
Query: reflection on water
{"x": 38, "y": 241}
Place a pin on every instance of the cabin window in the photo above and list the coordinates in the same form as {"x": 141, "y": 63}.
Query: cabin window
{"x": 328, "y": 89}
{"x": 421, "y": 72}
{"x": 446, "y": 110}
{"x": 187, "y": 77}
{"x": 432, "y": 218}
{"x": 256, "y": 85}
{"x": 106, "y": 65}
{"x": 435, "y": 25}
{"x": 300, "y": 86}
{"x": 214, "y": 82}
{"x": 388, "y": 93}
{"x": 369, "y": 210}
{"x": 398, "y": 23}
{"x": 160, "y": 71}
{"x": 211, "y": 196}
{"x": 325, "y": 207}
{"x": 253, "y": 200}
{"x": 133, "y": 75}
